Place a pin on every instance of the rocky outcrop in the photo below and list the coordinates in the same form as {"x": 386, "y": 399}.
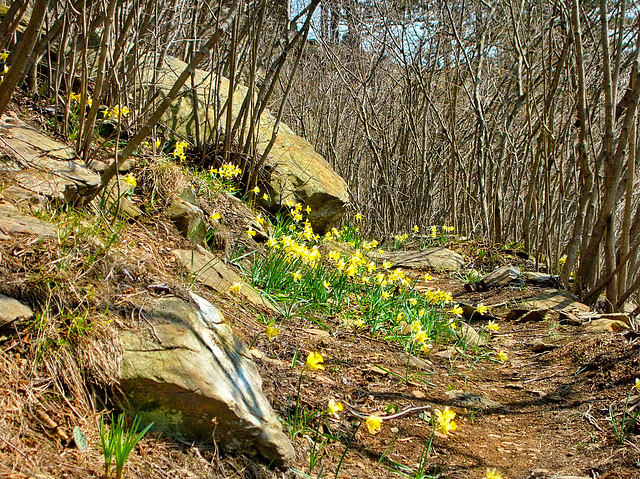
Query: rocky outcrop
{"x": 295, "y": 170}
{"x": 437, "y": 258}
{"x": 44, "y": 168}
{"x": 191, "y": 376}
{"x": 13, "y": 222}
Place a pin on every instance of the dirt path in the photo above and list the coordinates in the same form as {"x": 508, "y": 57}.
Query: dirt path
{"x": 542, "y": 412}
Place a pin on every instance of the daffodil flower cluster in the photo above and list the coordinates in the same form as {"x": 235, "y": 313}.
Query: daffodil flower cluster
{"x": 227, "y": 171}
{"x": 438, "y": 296}
{"x": 117, "y": 112}
{"x": 178, "y": 151}
{"x": 296, "y": 250}
{"x": 444, "y": 421}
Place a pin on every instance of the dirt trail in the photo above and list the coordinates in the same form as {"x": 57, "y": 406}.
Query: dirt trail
{"x": 542, "y": 412}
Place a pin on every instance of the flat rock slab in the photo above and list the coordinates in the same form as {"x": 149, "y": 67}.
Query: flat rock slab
{"x": 605, "y": 326}
{"x": 474, "y": 401}
{"x": 13, "y": 222}
{"x": 49, "y": 168}
{"x": 557, "y": 301}
{"x": 435, "y": 258}
{"x": 12, "y": 310}
{"x": 193, "y": 378}
{"x": 212, "y": 272}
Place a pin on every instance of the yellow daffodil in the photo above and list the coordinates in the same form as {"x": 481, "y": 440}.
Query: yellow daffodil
{"x": 251, "y": 232}
{"x": 296, "y": 275}
{"x": 334, "y": 408}
{"x": 358, "y": 324}
{"x": 326, "y": 285}
{"x": 386, "y": 265}
{"x": 226, "y": 170}
{"x": 481, "y": 309}
{"x": 416, "y": 327}
{"x": 4, "y": 56}
{"x": 457, "y": 311}
{"x": 637, "y": 385}
{"x": 493, "y": 326}
{"x": 255, "y": 190}
{"x": 400, "y": 316}
{"x": 352, "y": 270}
{"x": 421, "y": 313}
{"x": 416, "y": 228}
{"x": 308, "y": 209}
{"x": 236, "y": 287}
{"x": 380, "y": 251}
{"x": 385, "y": 295}
{"x": 157, "y": 144}
{"x": 374, "y": 423}
{"x": 502, "y": 356}
{"x": 271, "y": 331}
{"x": 412, "y": 301}
{"x": 492, "y": 474}
{"x": 426, "y": 347}
{"x": 215, "y": 217}
{"x": 272, "y": 243}
{"x": 358, "y": 217}
{"x": 178, "y": 151}
{"x": 427, "y": 277}
{"x": 313, "y": 361}
{"x": 265, "y": 197}
{"x": 117, "y": 111}
{"x": 444, "y": 421}
{"x": 421, "y": 337}
{"x": 130, "y": 180}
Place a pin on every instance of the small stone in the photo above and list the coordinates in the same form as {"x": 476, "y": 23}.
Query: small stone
{"x": 376, "y": 371}
{"x": 474, "y": 401}
{"x": 12, "y": 310}
{"x": 418, "y": 394}
{"x": 500, "y": 277}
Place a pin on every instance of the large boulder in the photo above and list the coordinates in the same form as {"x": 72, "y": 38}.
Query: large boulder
{"x": 191, "y": 376}
{"x": 296, "y": 171}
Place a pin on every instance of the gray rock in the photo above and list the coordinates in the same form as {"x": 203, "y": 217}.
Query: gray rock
{"x": 500, "y": 277}
{"x": 12, "y": 311}
{"x": 13, "y": 222}
{"x": 541, "y": 278}
{"x": 49, "y": 168}
{"x": 436, "y": 258}
{"x": 192, "y": 377}
{"x": 295, "y": 171}
{"x": 188, "y": 218}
